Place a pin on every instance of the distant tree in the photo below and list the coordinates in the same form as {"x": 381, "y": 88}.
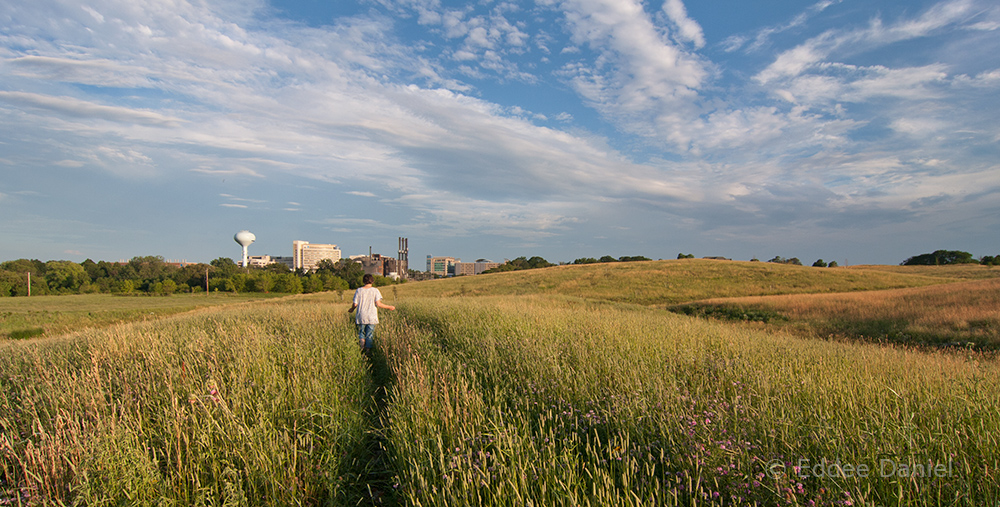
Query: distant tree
{"x": 334, "y": 282}
{"x": 261, "y": 281}
{"x": 192, "y": 275}
{"x": 345, "y": 269}
{"x": 123, "y": 287}
{"x": 608, "y": 258}
{"x": 832, "y": 264}
{"x": 633, "y": 258}
{"x": 166, "y": 287}
{"x": 224, "y": 267}
{"x": 820, "y": 264}
{"x": 35, "y": 266}
{"x": 239, "y": 282}
{"x": 940, "y": 258}
{"x": 65, "y": 276}
{"x": 287, "y": 283}
{"x": 93, "y": 270}
{"x": 278, "y": 267}
{"x": 585, "y": 260}
{"x": 12, "y": 283}
{"x": 382, "y": 281}
{"x": 150, "y": 268}
{"x": 685, "y": 256}
{"x": 521, "y": 263}
{"x": 312, "y": 282}
{"x": 990, "y": 260}
{"x": 781, "y": 260}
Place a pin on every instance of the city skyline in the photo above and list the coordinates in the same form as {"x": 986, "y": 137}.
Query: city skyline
{"x": 835, "y": 129}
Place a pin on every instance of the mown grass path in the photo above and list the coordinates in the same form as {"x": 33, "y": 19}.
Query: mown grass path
{"x": 369, "y": 477}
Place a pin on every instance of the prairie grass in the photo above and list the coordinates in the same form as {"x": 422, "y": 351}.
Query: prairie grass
{"x": 672, "y": 282}
{"x": 952, "y": 271}
{"x": 962, "y": 313}
{"x": 512, "y": 399}
{"x": 22, "y": 317}
{"x": 558, "y": 401}
{"x": 261, "y": 404}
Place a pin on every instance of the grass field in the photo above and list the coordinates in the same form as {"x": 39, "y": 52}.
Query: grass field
{"x": 534, "y": 396}
{"x": 680, "y": 281}
{"x": 958, "y": 314}
{"x": 29, "y": 317}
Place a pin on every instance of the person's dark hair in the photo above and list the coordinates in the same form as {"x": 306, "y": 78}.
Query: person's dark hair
{"x": 367, "y": 279}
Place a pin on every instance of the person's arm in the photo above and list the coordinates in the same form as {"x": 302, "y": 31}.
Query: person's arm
{"x": 354, "y": 303}
{"x": 380, "y": 304}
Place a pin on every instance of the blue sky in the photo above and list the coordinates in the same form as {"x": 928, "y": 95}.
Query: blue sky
{"x": 855, "y": 131}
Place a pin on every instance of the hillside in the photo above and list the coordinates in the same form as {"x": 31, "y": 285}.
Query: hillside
{"x": 535, "y": 399}
{"x": 670, "y": 282}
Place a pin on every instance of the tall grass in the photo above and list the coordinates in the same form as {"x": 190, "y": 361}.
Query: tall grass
{"x": 262, "y": 404}
{"x": 495, "y": 400}
{"x": 555, "y": 401}
{"x": 960, "y": 313}
{"x": 22, "y": 317}
{"x": 673, "y": 281}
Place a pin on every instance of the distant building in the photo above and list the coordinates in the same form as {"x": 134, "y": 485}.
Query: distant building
{"x": 474, "y": 268}
{"x": 307, "y": 256}
{"x": 258, "y": 261}
{"x": 442, "y": 266}
{"x": 377, "y": 264}
{"x": 262, "y": 261}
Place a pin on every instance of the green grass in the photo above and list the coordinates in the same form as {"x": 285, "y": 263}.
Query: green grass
{"x": 23, "y": 317}
{"x": 262, "y": 403}
{"x": 957, "y": 314}
{"x": 955, "y": 271}
{"x": 536, "y": 396}
{"x": 663, "y": 283}
{"x": 557, "y": 401}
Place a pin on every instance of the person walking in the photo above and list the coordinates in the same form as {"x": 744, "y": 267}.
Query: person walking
{"x": 367, "y": 301}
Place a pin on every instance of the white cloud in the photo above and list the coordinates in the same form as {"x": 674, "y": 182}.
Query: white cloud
{"x": 763, "y": 36}
{"x": 794, "y": 62}
{"x": 201, "y": 95}
{"x": 642, "y": 82}
{"x": 73, "y": 107}
{"x": 688, "y": 29}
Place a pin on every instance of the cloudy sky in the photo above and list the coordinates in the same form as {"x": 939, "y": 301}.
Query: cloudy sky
{"x": 848, "y": 130}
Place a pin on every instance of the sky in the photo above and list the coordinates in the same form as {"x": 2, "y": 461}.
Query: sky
{"x": 862, "y": 132}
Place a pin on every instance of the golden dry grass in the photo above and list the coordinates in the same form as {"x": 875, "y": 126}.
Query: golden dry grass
{"x": 960, "y": 312}
{"x": 672, "y": 281}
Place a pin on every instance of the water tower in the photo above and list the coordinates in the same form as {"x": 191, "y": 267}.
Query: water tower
{"x": 244, "y": 238}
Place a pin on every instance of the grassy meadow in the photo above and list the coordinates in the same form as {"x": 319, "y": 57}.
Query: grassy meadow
{"x": 511, "y": 389}
{"x": 29, "y": 317}
{"x": 680, "y": 281}
{"x": 958, "y": 314}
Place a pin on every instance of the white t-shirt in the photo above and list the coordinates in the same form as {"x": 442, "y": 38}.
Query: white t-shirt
{"x": 367, "y": 312}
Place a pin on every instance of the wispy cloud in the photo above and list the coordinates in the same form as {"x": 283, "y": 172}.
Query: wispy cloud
{"x": 540, "y": 123}
{"x": 83, "y": 109}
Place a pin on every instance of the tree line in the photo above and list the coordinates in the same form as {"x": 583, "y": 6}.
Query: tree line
{"x": 152, "y": 275}
{"x": 947, "y": 257}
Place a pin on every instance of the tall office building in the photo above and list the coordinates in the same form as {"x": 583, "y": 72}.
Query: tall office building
{"x": 307, "y": 255}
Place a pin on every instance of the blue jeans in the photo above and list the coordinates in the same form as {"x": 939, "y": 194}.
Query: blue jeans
{"x": 366, "y": 336}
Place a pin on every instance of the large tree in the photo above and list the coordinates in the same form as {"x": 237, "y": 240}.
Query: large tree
{"x": 940, "y": 258}
{"x": 65, "y": 276}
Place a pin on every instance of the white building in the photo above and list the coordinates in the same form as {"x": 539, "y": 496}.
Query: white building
{"x": 307, "y": 255}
